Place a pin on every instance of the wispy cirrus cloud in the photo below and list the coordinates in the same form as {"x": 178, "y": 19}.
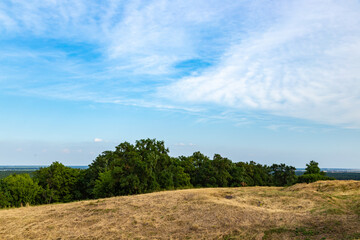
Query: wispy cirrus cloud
{"x": 112, "y": 50}
{"x": 142, "y": 36}
{"x": 304, "y": 64}
{"x": 286, "y": 58}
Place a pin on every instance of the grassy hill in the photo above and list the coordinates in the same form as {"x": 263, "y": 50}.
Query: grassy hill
{"x": 321, "y": 210}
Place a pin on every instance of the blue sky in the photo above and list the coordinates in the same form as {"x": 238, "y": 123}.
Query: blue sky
{"x": 268, "y": 81}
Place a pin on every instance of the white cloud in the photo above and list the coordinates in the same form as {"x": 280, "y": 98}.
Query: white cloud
{"x": 139, "y": 36}
{"x": 66, "y": 151}
{"x": 98, "y": 140}
{"x": 288, "y": 58}
{"x": 181, "y": 144}
{"x": 304, "y": 65}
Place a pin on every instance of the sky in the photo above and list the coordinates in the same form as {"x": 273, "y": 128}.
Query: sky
{"x": 252, "y": 80}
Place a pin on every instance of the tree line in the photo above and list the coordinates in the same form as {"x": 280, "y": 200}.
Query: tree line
{"x": 143, "y": 167}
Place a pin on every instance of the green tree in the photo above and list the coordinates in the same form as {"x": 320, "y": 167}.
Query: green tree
{"x": 256, "y": 174}
{"x": 313, "y": 168}
{"x": 140, "y": 168}
{"x": 188, "y": 166}
{"x": 283, "y": 175}
{"x": 181, "y": 179}
{"x": 20, "y": 190}
{"x": 104, "y": 185}
{"x": 222, "y": 168}
{"x": 204, "y": 173}
{"x": 90, "y": 176}
{"x": 59, "y": 183}
{"x": 5, "y": 195}
{"x": 312, "y": 173}
{"x": 237, "y": 173}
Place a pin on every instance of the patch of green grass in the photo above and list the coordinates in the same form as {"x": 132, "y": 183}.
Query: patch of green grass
{"x": 268, "y": 233}
{"x": 328, "y": 208}
{"x": 356, "y": 207}
{"x": 334, "y": 211}
{"x": 297, "y": 232}
{"x": 354, "y": 236}
{"x": 342, "y": 197}
{"x": 301, "y": 231}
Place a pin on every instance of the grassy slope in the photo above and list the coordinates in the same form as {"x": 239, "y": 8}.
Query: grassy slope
{"x": 322, "y": 210}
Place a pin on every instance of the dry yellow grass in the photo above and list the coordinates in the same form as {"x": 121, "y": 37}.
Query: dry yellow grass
{"x": 321, "y": 210}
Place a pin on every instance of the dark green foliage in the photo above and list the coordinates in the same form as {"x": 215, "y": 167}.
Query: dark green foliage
{"x": 180, "y": 178}
{"x": 141, "y": 168}
{"x": 237, "y": 173}
{"x": 199, "y": 168}
{"x": 256, "y": 174}
{"x": 89, "y": 176}
{"x": 5, "y": 195}
{"x": 283, "y": 175}
{"x": 222, "y": 172}
{"x": 103, "y": 185}
{"x": 59, "y": 183}
{"x": 309, "y": 178}
{"x": 313, "y": 174}
{"x": 222, "y": 167}
{"x": 146, "y": 167}
{"x": 204, "y": 172}
{"x": 313, "y": 168}
{"x": 344, "y": 175}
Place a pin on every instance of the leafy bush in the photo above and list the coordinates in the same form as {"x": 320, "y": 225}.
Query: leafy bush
{"x": 309, "y": 178}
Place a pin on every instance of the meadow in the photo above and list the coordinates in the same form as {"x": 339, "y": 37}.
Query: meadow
{"x": 319, "y": 210}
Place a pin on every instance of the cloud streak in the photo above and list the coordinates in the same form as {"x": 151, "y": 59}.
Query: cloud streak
{"x": 146, "y": 36}
{"x": 303, "y": 65}
{"x": 286, "y": 58}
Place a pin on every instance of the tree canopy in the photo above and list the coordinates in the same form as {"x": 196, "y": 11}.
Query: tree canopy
{"x": 143, "y": 167}
{"x": 18, "y": 190}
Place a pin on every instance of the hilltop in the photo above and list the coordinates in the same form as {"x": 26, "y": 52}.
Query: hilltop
{"x": 320, "y": 210}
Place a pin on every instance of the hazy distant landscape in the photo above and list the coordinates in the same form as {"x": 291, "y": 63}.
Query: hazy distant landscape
{"x": 8, "y": 170}
{"x": 337, "y": 173}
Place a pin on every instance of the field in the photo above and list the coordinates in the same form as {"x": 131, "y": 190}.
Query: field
{"x": 321, "y": 210}
{"x": 4, "y": 174}
{"x": 344, "y": 175}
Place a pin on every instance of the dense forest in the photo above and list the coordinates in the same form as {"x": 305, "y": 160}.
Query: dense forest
{"x": 143, "y": 167}
{"x": 344, "y": 175}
